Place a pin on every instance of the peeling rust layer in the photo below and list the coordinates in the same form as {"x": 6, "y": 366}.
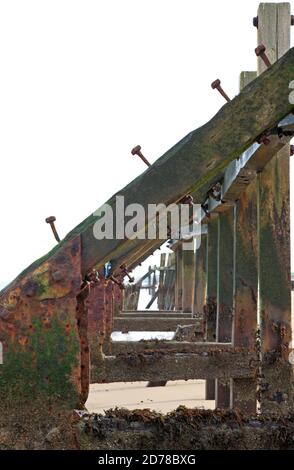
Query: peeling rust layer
{"x": 150, "y": 366}
{"x": 38, "y": 328}
{"x": 189, "y": 429}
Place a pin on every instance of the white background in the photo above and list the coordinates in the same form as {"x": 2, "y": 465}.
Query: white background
{"x": 82, "y": 82}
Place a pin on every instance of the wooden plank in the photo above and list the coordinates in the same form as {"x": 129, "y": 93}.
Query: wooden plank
{"x": 152, "y": 300}
{"x": 199, "y": 288}
{"x": 199, "y": 298}
{"x": 151, "y": 367}
{"x": 245, "y": 287}
{"x": 211, "y": 300}
{"x": 274, "y": 240}
{"x": 149, "y": 313}
{"x": 179, "y": 277}
{"x": 170, "y": 283}
{"x": 108, "y": 317}
{"x": 188, "y": 276}
{"x": 155, "y": 323}
{"x": 161, "y": 290}
{"x": 225, "y": 295}
{"x": 138, "y": 347}
{"x": 205, "y": 151}
{"x": 225, "y": 274}
{"x": 193, "y": 164}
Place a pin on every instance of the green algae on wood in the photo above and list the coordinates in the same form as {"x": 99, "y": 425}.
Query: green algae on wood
{"x": 42, "y": 368}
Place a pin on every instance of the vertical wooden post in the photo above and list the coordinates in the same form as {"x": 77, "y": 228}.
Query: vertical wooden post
{"x": 179, "y": 277}
{"x": 211, "y": 299}
{"x": 108, "y": 317}
{"x": 161, "y": 286}
{"x": 200, "y": 284}
{"x": 225, "y": 294}
{"x": 170, "y": 283}
{"x": 188, "y": 277}
{"x": 245, "y": 284}
{"x": 149, "y": 280}
{"x": 96, "y": 321}
{"x": 274, "y": 240}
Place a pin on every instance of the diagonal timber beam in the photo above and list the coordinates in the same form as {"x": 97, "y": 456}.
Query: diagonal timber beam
{"x": 199, "y": 159}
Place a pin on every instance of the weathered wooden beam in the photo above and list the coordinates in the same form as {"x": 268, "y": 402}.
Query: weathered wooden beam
{"x": 151, "y": 367}
{"x": 188, "y": 274}
{"x": 205, "y": 151}
{"x": 246, "y": 281}
{"x": 137, "y": 347}
{"x": 276, "y": 389}
{"x": 200, "y": 279}
{"x": 150, "y": 313}
{"x": 211, "y": 300}
{"x": 224, "y": 133}
{"x": 155, "y": 323}
{"x": 191, "y": 429}
{"x": 152, "y": 300}
{"x": 161, "y": 289}
{"x": 179, "y": 277}
{"x": 225, "y": 294}
{"x": 108, "y": 317}
{"x": 194, "y": 163}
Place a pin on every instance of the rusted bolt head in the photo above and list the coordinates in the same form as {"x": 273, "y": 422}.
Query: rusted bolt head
{"x": 259, "y": 50}
{"x": 136, "y": 150}
{"x": 50, "y": 219}
{"x": 255, "y": 21}
{"x": 292, "y": 20}
{"x": 215, "y": 84}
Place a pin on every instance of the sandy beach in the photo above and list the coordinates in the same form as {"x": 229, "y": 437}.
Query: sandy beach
{"x": 134, "y": 395}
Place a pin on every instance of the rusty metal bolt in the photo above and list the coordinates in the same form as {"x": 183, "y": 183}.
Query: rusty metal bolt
{"x": 263, "y": 139}
{"x": 187, "y": 199}
{"x": 50, "y": 220}
{"x": 217, "y": 85}
{"x": 260, "y": 52}
{"x": 124, "y": 270}
{"x": 292, "y": 20}
{"x": 137, "y": 151}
